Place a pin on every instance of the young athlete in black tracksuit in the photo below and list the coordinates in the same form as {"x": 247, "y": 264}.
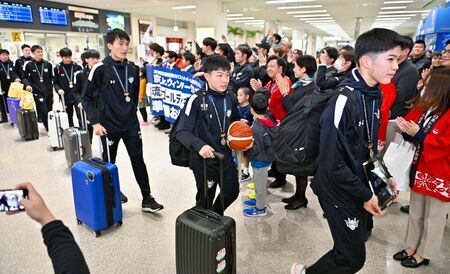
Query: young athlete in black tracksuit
{"x": 26, "y": 51}
{"x": 90, "y": 57}
{"x": 110, "y": 99}
{"x": 7, "y": 76}
{"x": 348, "y": 138}
{"x": 64, "y": 82}
{"x": 202, "y": 128}
{"x": 243, "y": 72}
{"x": 38, "y": 77}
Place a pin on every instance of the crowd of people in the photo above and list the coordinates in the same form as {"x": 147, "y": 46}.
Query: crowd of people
{"x": 386, "y": 83}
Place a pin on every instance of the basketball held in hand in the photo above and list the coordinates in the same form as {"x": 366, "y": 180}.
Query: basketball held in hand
{"x": 239, "y": 136}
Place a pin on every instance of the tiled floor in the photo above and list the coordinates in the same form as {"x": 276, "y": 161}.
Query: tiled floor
{"x": 145, "y": 242}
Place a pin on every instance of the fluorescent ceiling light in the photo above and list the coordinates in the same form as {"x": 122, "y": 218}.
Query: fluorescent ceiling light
{"x": 234, "y": 14}
{"x": 404, "y": 11}
{"x": 254, "y": 24}
{"x": 300, "y": 7}
{"x": 395, "y": 15}
{"x": 312, "y": 15}
{"x": 398, "y": 2}
{"x": 250, "y": 21}
{"x": 239, "y": 18}
{"x": 306, "y": 11}
{"x": 183, "y": 7}
{"x": 324, "y": 21}
{"x": 394, "y": 18}
{"x": 394, "y": 8}
{"x": 316, "y": 18}
{"x": 287, "y": 1}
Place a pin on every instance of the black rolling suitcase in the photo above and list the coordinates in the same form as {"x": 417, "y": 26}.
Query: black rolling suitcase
{"x": 205, "y": 240}
{"x": 27, "y": 124}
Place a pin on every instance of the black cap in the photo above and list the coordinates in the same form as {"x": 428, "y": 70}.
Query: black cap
{"x": 264, "y": 45}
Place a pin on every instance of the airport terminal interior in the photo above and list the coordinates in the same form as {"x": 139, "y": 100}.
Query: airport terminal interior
{"x": 145, "y": 242}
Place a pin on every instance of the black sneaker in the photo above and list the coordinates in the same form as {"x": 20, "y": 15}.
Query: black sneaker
{"x": 405, "y": 209}
{"x": 271, "y": 173}
{"x": 277, "y": 184}
{"x": 123, "y": 198}
{"x": 245, "y": 176}
{"x": 150, "y": 205}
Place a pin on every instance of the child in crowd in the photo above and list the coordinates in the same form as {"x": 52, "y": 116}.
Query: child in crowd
{"x": 143, "y": 100}
{"x": 243, "y": 96}
{"x": 261, "y": 154}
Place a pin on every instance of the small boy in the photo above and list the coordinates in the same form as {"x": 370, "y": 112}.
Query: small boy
{"x": 243, "y": 96}
{"x": 261, "y": 154}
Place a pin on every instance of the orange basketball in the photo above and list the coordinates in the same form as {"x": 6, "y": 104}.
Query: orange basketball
{"x": 239, "y": 136}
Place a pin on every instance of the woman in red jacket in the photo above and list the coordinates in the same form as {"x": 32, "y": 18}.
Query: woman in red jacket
{"x": 428, "y": 126}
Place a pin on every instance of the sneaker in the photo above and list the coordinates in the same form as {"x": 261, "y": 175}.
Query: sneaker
{"x": 143, "y": 123}
{"x": 123, "y": 198}
{"x": 277, "y": 184}
{"x": 271, "y": 173}
{"x": 252, "y": 195}
{"x": 150, "y": 205}
{"x": 245, "y": 176}
{"x": 251, "y": 186}
{"x": 254, "y": 212}
{"x": 155, "y": 120}
{"x": 298, "y": 268}
{"x": 250, "y": 203}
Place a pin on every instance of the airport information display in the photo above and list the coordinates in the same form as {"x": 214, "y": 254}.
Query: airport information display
{"x": 53, "y": 16}
{"x": 15, "y": 12}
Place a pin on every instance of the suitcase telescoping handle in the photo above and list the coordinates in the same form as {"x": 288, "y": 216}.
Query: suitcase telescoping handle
{"x": 220, "y": 157}
{"x": 63, "y": 102}
{"x": 83, "y": 119}
{"x": 107, "y": 147}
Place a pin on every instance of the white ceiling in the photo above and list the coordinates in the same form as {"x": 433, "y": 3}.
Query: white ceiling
{"x": 344, "y": 12}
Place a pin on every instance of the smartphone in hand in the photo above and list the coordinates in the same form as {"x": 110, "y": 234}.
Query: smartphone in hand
{"x": 9, "y": 199}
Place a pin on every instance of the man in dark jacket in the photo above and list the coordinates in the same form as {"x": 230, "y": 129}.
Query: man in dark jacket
{"x": 260, "y": 66}
{"x": 110, "y": 99}
{"x": 348, "y": 138}
{"x": 38, "y": 77}
{"x": 418, "y": 56}
{"x": 64, "y": 82}
{"x": 7, "y": 76}
{"x": 405, "y": 81}
{"x": 202, "y": 128}
{"x": 325, "y": 69}
{"x": 243, "y": 71}
{"x": 26, "y": 56}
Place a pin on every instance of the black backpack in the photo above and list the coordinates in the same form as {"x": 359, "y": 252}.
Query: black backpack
{"x": 179, "y": 154}
{"x": 297, "y": 143}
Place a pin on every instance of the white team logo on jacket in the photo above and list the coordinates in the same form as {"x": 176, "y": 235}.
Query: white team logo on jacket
{"x": 46, "y": 69}
{"x": 131, "y": 79}
{"x": 352, "y": 224}
{"x": 210, "y": 183}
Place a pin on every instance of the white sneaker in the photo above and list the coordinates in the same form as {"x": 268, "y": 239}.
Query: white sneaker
{"x": 298, "y": 268}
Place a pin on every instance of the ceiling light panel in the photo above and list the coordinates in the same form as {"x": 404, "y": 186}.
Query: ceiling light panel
{"x": 311, "y": 15}
{"x": 239, "y": 18}
{"x": 300, "y": 7}
{"x": 306, "y": 11}
{"x": 288, "y": 1}
{"x": 394, "y": 8}
{"x": 404, "y": 11}
{"x": 234, "y": 14}
{"x": 398, "y": 2}
{"x": 183, "y": 7}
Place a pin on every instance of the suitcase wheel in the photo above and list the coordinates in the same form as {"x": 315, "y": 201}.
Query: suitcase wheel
{"x": 54, "y": 148}
{"x": 120, "y": 222}
{"x": 12, "y": 124}
{"x": 79, "y": 222}
{"x": 97, "y": 233}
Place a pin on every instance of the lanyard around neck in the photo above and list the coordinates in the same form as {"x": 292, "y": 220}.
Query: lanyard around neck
{"x": 6, "y": 69}
{"x": 70, "y": 79}
{"x": 366, "y": 122}
{"x": 221, "y": 125}
{"x": 124, "y": 87}
{"x": 41, "y": 74}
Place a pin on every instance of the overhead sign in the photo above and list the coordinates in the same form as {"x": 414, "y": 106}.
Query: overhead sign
{"x": 84, "y": 20}
{"x": 16, "y": 36}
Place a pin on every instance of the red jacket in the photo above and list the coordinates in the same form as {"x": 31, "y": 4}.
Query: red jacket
{"x": 276, "y": 99}
{"x": 388, "y": 94}
{"x": 433, "y": 169}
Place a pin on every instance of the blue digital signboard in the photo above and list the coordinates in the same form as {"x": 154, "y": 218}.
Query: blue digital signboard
{"x": 53, "y": 16}
{"x": 14, "y": 12}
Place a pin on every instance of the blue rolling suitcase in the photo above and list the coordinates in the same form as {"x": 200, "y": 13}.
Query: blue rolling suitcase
{"x": 13, "y": 106}
{"x": 96, "y": 194}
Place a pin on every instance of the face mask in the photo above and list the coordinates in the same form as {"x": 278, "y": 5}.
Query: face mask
{"x": 338, "y": 64}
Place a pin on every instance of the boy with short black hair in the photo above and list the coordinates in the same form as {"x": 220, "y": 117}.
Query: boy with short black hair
{"x": 7, "y": 76}
{"x": 64, "y": 82}
{"x": 26, "y": 56}
{"x": 243, "y": 97}
{"x": 262, "y": 154}
{"x": 110, "y": 99}
{"x": 38, "y": 78}
{"x": 348, "y": 138}
{"x": 202, "y": 128}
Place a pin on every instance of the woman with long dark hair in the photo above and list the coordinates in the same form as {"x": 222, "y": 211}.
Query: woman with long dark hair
{"x": 427, "y": 125}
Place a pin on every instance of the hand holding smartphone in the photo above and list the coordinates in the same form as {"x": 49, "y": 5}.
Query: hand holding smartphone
{"x": 26, "y": 198}
{"x": 9, "y": 199}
